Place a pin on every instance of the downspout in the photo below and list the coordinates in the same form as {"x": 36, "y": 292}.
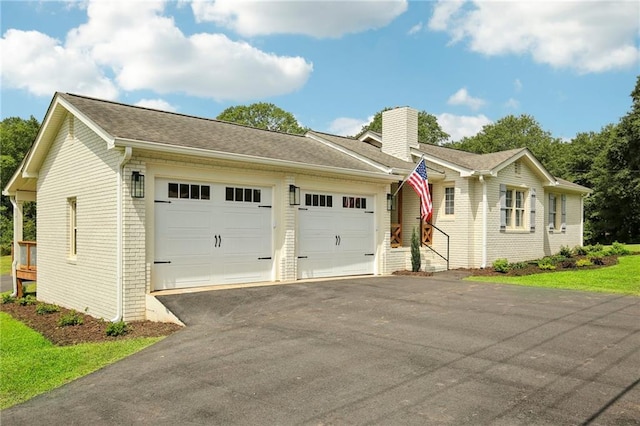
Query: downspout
{"x": 119, "y": 233}
{"x": 17, "y": 236}
{"x": 484, "y": 222}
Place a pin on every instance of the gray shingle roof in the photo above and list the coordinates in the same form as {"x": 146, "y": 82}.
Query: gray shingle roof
{"x": 366, "y": 150}
{"x": 148, "y": 125}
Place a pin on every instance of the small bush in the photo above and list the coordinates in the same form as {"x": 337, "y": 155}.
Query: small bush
{"x": 70, "y": 318}
{"x": 117, "y": 328}
{"x": 518, "y": 265}
{"x": 569, "y": 264}
{"x": 416, "y": 259}
{"x": 580, "y": 251}
{"x": 596, "y": 259}
{"x": 45, "y": 308}
{"x": 618, "y": 249}
{"x": 26, "y": 301}
{"x": 501, "y": 265}
{"x": 546, "y": 264}
{"x": 581, "y": 263}
{"x": 556, "y": 258}
{"x": 7, "y": 298}
{"x": 565, "y": 251}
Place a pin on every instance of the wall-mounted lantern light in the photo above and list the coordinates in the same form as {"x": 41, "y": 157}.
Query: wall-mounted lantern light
{"x": 391, "y": 202}
{"x": 137, "y": 185}
{"x": 294, "y": 195}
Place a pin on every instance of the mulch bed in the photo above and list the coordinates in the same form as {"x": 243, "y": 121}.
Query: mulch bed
{"x": 91, "y": 329}
{"x": 532, "y": 268}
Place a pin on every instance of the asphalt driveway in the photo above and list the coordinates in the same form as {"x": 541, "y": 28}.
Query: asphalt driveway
{"x": 391, "y": 350}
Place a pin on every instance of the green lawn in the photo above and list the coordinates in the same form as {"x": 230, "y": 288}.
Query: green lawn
{"x": 621, "y": 278}
{"x": 5, "y": 265}
{"x": 31, "y": 365}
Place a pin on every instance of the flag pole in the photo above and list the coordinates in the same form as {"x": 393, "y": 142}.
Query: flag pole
{"x": 414, "y": 169}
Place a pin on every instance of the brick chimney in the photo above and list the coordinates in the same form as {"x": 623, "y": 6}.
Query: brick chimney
{"x": 400, "y": 132}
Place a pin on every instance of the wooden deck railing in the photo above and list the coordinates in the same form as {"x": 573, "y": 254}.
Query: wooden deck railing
{"x": 26, "y": 269}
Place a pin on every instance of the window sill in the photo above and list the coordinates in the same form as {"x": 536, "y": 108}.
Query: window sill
{"x": 517, "y": 231}
{"x": 72, "y": 260}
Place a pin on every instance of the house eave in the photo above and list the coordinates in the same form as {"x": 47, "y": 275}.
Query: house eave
{"x": 244, "y": 158}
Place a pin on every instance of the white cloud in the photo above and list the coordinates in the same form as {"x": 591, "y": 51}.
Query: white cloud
{"x": 140, "y": 48}
{"x": 588, "y": 36}
{"x": 512, "y": 103}
{"x": 160, "y": 104}
{"x": 517, "y": 85}
{"x": 462, "y": 97}
{"x": 415, "y": 29}
{"x": 37, "y": 63}
{"x": 459, "y": 126}
{"x": 321, "y": 19}
{"x": 345, "y": 126}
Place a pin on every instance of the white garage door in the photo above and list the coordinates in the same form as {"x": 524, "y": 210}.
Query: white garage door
{"x": 208, "y": 234}
{"x": 335, "y": 235}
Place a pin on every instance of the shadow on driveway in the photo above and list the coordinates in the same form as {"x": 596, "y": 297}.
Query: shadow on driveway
{"x": 383, "y": 350}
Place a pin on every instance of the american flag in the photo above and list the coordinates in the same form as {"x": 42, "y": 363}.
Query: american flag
{"x": 418, "y": 180}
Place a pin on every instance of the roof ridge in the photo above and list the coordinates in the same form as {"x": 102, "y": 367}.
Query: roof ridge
{"x": 178, "y": 114}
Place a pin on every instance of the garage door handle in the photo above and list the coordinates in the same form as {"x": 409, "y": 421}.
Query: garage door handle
{"x": 264, "y": 258}
{"x": 161, "y": 261}
{"x": 369, "y": 254}
{"x": 303, "y": 257}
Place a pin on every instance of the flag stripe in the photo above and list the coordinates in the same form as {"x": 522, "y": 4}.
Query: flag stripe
{"x": 419, "y": 182}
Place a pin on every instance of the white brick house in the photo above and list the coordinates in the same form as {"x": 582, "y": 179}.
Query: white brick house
{"x": 226, "y": 204}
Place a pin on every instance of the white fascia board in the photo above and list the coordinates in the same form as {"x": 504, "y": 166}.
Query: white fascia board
{"x": 219, "y": 155}
{"x": 88, "y": 122}
{"x": 345, "y": 151}
{"x": 566, "y": 188}
{"x": 537, "y": 164}
{"x": 464, "y": 172}
{"x": 55, "y": 115}
{"x": 370, "y": 135}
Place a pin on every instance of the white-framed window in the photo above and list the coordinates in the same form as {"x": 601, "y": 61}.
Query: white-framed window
{"x": 73, "y": 226}
{"x": 449, "y": 200}
{"x": 557, "y": 219}
{"x": 514, "y": 208}
{"x": 553, "y": 211}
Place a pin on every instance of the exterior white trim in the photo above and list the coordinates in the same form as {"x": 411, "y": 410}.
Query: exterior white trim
{"x": 349, "y": 153}
{"x": 126, "y": 156}
{"x": 206, "y": 153}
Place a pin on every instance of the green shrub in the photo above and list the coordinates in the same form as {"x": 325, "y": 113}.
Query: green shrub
{"x": 596, "y": 258}
{"x": 565, "y": 252}
{"x": 501, "y": 265}
{"x": 580, "y": 251}
{"x": 618, "y": 249}
{"x": 45, "y": 308}
{"x": 117, "y": 328}
{"x": 581, "y": 263}
{"x": 569, "y": 264}
{"x": 415, "y": 251}
{"x": 26, "y": 301}
{"x": 70, "y": 318}
{"x": 546, "y": 264}
{"x": 7, "y": 298}
{"x": 518, "y": 265}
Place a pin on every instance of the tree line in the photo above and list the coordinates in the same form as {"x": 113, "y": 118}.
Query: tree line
{"x": 607, "y": 161}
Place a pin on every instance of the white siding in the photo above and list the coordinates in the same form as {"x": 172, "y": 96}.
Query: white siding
{"x": 79, "y": 166}
{"x": 554, "y": 240}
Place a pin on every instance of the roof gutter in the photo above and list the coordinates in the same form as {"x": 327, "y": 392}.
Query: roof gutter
{"x": 206, "y": 153}
{"x": 128, "y": 151}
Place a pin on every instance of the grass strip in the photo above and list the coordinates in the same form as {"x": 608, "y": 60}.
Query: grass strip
{"x": 621, "y": 278}
{"x": 31, "y": 365}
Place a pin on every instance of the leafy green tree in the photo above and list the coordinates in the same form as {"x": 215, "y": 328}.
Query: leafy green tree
{"x": 429, "y": 131}
{"x": 16, "y": 137}
{"x": 513, "y": 132}
{"x": 263, "y": 115}
{"x": 612, "y": 210}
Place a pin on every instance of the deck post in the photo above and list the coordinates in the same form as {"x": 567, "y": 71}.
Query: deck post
{"x": 17, "y": 236}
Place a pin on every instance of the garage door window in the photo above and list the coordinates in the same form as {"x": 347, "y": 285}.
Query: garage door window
{"x": 185, "y": 190}
{"x": 354, "y": 203}
{"x": 247, "y": 195}
{"x": 318, "y": 200}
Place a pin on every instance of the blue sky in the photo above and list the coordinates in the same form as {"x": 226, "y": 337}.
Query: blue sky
{"x": 333, "y": 64}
